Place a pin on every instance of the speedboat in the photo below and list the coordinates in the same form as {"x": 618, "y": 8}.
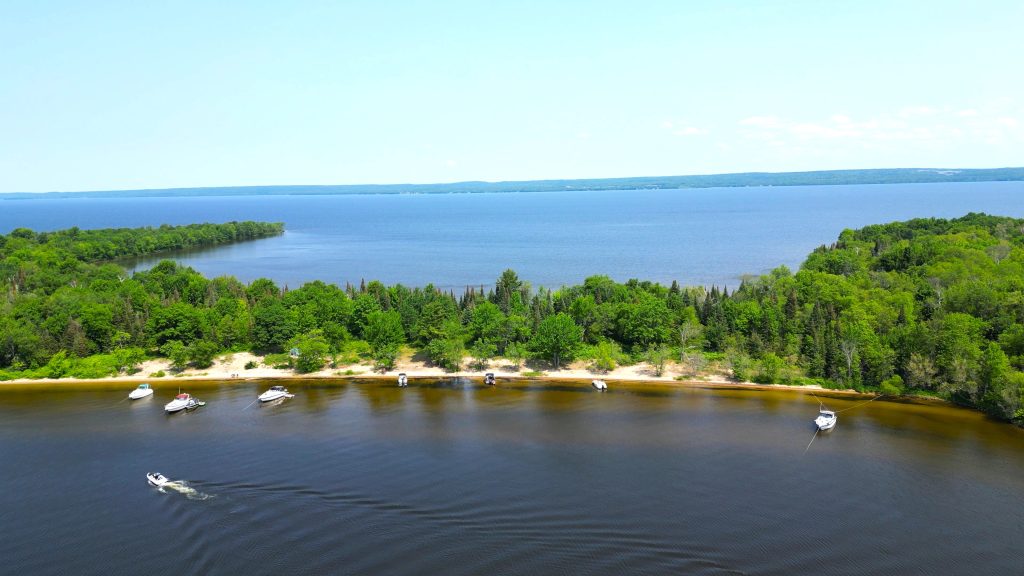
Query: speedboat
{"x": 600, "y": 385}
{"x": 141, "y": 392}
{"x": 826, "y": 420}
{"x": 403, "y": 380}
{"x": 179, "y": 403}
{"x": 275, "y": 393}
{"x": 156, "y": 479}
{"x": 489, "y": 379}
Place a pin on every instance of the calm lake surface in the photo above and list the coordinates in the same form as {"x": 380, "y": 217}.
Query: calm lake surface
{"x": 450, "y": 477}
{"x": 696, "y": 236}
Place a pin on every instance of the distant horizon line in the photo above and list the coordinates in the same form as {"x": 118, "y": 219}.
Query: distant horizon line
{"x": 717, "y": 180}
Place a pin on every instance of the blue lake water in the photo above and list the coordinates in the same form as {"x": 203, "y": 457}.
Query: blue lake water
{"x": 696, "y": 236}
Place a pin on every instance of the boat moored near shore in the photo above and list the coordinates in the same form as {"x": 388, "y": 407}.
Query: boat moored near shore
{"x": 403, "y": 380}
{"x": 141, "y": 392}
{"x": 826, "y": 420}
{"x": 600, "y": 385}
{"x": 275, "y": 393}
{"x": 489, "y": 379}
{"x": 179, "y": 403}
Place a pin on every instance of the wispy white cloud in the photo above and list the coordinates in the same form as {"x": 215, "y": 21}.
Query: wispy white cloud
{"x": 690, "y": 131}
{"x": 911, "y": 111}
{"x": 677, "y": 129}
{"x": 929, "y": 124}
{"x": 761, "y": 121}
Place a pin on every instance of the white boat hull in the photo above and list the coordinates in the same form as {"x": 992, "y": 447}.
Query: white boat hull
{"x": 140, "y": 393}
{"x": 826, "y": 421}
{"x": 273, "y": 395}
{"x": 600, "y": 385}
{"x": 175, "y": 406}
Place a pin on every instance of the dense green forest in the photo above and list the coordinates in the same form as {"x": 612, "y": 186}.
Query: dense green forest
{"x": 817, "y": 178}
{"x": 928, "y": 306}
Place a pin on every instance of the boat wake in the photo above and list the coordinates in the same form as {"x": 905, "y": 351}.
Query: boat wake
{"x": 182, "y": 487}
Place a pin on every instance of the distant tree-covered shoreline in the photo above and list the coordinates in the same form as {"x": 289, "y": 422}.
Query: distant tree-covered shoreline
{"x": 928, "y": 306}
{"x": 742, "y": 179}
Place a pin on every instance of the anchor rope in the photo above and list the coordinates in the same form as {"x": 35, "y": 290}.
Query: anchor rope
{"x": 861, "y": 404}
{"x": 812, "y": 441}
{"x": 822, "y": 404}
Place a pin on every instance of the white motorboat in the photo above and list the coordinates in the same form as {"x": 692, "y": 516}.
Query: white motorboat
{"x": 275, "y": 393}
{"x": 403, "y": 380}
{"x": 141, "y": 392}
{"x": 157, "y": 479}
{"x": 489, "y": 379}
{"x": 600, "y": 385}
{"x": 179, "y": 403}
{"x": 826, "y": 420}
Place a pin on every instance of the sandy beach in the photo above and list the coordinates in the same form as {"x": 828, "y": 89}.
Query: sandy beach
{"x": 232, "y": 367}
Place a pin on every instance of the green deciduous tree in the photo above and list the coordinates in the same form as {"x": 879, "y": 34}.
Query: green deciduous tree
{"x": 606, "y": 355}
{"x": 644, "y": 322}
{"x": 128, "y": 359}
{"x": 557, "y": 339}
{"x": 771, "y": 367}
{"x": 657, "y": 357}
{"x": 58, "y": 366}
{"x": 892, "y": 386}
{"x": 385, "y": 335}
{"x": 179, "y": 321}
{"x": 515, "y": 353}
{"x": 201, "y": 353}
{"x": 313, "y": 351}
{"x": 741, "y": 365}
{"x": 273, "y": 326}
{"x": 959, "y": 354}
{"x": 177, "y": 353}
{"x": 446, "y": 353}
{"x": 487, "y": 323}
{"x": 482, "y": 351}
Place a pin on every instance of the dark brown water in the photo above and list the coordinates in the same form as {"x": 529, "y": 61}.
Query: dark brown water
{"x": 452, "y": 478}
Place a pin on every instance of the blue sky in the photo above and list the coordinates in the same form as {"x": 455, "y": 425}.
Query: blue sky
{"x": 112, "y": 95}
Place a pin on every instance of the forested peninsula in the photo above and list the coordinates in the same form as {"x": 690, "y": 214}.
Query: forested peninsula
{"x": 928, "y": 306}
